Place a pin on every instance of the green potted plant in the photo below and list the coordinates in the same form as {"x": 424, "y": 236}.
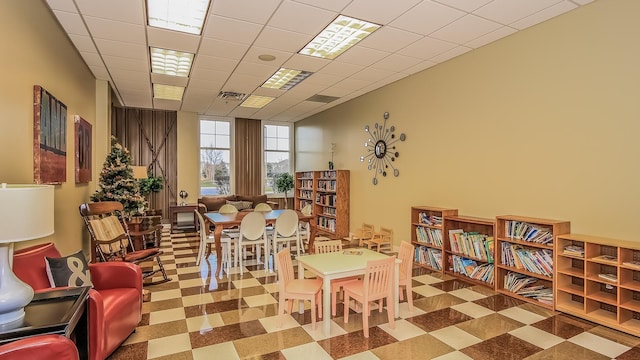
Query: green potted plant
{"x": 284, "y": 183}
{"x": 150, "y": 184}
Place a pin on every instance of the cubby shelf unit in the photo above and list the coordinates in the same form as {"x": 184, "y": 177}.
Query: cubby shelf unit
{"x": 427, "y": 237}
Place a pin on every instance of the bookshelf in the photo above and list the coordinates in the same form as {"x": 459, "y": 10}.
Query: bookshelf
{"x": 328, "y": 193}
{"x": 524, "y": 257}
{"x": 468, "y": 248}
{"x": 601, "y": 283}
{"x": 426, "y": 235}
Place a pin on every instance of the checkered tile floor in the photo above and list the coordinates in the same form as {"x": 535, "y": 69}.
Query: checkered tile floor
{"x": 198, "y": 317}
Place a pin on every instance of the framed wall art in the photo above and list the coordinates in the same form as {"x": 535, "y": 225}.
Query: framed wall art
{"x": 82, "y": 149}
{"x": 49, "y": 138}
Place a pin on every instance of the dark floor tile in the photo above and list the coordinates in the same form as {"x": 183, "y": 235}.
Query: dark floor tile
{"x": 632, "y": 354}
{"x": 271, "y": 279}
{"x": 145, "y": 320}
{"x": 215, "y": 307}
{"x": 226, "y": 333}
{"x": 450, "y": 285}
{"x": 503, "y": 347}
{"x": 355, "y": 342}
{"x": 195, "y": 290}
{"x": 131, "y": 351}
{"x": 563, "y": 326}
{"x": 438, "y": 319}
{"x": 498, "y": 302}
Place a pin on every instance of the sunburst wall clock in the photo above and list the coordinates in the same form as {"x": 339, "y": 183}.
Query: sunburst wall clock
{"x": 381, "y": 149}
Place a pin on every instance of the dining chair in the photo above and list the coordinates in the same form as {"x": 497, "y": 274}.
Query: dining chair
{"x": 377, "y": 284}
{"x": 252, "y": 232}
{"x": 364, "y": 233}
{"x": 383, "y": 238}
{"x": 262, "y": 207}
{"x": 406, "y": 254}
{"x": 285, "y": 231}
{"x": 206, "y": 241}
{"x": 330, "y": 246}
{"x": 290, "y": 288}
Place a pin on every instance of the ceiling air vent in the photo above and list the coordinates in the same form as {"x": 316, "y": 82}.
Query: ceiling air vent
{"x": 322, "y": 98}
{"x": 230, "y": 95}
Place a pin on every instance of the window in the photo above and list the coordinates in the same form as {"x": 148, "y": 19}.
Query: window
{"x": 277, "y": 154}
{"x": 215, "y": 157}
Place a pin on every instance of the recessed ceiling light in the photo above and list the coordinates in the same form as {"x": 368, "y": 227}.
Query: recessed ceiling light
{"x": 285, "y": 79}
{"x": 266, "y": 57}
{"x": 337, "y": 37}
{"x": 255, "y": 101}
{"x": 168, "y": 92}
{"x": 170, "y": 62}
{"x": 179, "y": 15}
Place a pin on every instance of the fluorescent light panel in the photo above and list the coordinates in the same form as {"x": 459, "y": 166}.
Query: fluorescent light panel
{"x": 168, "y": 92}
{"x": 285, "y": 79}
{"x": 256, "y": 101}
{"x": 338, "y": 37}
{"x": 179, "y": 15}
{"x": 170, "y": 62}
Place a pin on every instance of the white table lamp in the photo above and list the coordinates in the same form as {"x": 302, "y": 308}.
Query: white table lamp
{"x": 26, "y": 213}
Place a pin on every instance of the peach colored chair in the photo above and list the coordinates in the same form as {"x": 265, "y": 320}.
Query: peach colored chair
{"x": 328, "y": 246}
{"x": 383, "y": 238}
{"x": 290, "y": 288}
{"x": 406, "y": 254}
{"x": 377, "y": 284}
{"x": 364, "y": 233}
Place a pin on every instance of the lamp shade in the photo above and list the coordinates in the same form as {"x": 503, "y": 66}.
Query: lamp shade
{"x": 26, "y": 212}
{"x": 139, "y": 172}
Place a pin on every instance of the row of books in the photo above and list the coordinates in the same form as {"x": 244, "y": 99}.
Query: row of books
{"x": 430, "y": 219}
{"x": 472, "y": 244}
{"x": 526, "y": 286}
{"x": 328, "y": 174}
{"x": 305, "y": 175}
{"x": 524, "y": 231}
{"x": 471, "y": 269}
{"x": 329, "y": 211}
{"x": 306, "y": 194}
{"x": 429, "y": 236}
{"x": 328, "y": 200}
{"x": 574, "y": 250}
{"x": 539, "y": 261}
{"x": 327, "y": 223}
{"x": 304, "y": 203}
{"x": 429, "y": 256}
{"x": 305, "y": 184}
{"x": 327, "y": 185}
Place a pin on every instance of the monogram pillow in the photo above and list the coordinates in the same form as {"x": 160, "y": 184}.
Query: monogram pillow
{"x": 71, "y": 271}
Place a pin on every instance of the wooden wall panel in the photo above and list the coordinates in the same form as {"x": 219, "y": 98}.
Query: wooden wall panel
{"x": 248, "y": 157}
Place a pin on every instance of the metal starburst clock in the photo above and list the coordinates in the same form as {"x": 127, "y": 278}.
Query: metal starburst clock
{"x": 381, "y": 149}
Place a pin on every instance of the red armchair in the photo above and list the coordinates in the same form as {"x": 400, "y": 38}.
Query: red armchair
{"x": 114, "y": 304}
{"x": 40, "y": 347}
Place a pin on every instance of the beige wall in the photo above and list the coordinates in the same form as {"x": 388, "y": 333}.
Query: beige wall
{"x": 37, "y": 52}
{"x": 189, "y": 155}
{"x": 543, "y": 123}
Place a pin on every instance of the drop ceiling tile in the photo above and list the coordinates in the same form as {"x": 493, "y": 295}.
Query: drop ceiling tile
{"x": 92, "y": 59}
{"x": 379, "y": 11}
{"x": 209, "y": 85}
{"x": 544, "y": 15}
{"x": 214, "y": 63}
{"x": 465, "y": 5}
{"x": 118, "y": 62}
{"x": 243, "y": 83}
{"x": 322, "y": 79}
{"x": 223, "y": 49}
{"x": 124, "y": 49}
{"x": 165, "y": 104}
{"x": 352, "y": 84}
{"x": 307, "y": 63}
{"x": 120, "y": 10}
{"x": 341, "y": 69}
{"x": 116, "y": 30}
{"x": 244, "y": 112}
{"x": 420, "y": 67}
{"x": 255, "y": 11}
{"x": 220, "y": 107}
{"x": 169, "y": 80}
{"x": 332, "y": 5}
{"x": 62, "y": 5}
{"x": 360, "y": 55}
{"x": 508, "y": 11}
{"x": 465, "y": 29}
{"x": 426, "y": 48}
{"x": 389, "y": 39}
{"x": 261, "y": 91}
{"x": 427, "y": 17}
{"x": 129, "y": 75}
{"x": 196, "y": 100}
{"x": 83, "y": 43}
{"x": 134, "y": 92}
{"x": 227, "y": 29}
{"x": 301, "y": 18}
{"x": 491, "y": 37}
{"x": 100, "y": 72}
{"x": 138, "y": 103}
{"x": 395, "y": 62}
{"x": 172, "y": 40}
{"x": 582, "y": 2}
{"x": 255, "y": 51}
{"x": 199, "y": 73}
{"x": 372, "y": 75}
{"x": 254, "y": 69}
{"x": 458, "y": 50}
{"x": 72, "y": 23}
{"x": 283, "y": 40}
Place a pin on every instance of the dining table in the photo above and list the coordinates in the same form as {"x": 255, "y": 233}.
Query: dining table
{"x": 226, "y": 221}
{"x": 341, "y": 264}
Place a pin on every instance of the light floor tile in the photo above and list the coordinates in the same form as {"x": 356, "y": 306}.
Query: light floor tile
{"x": 310, "y": 351}
{"x": 455, "y": 355}
{"x": 170, "y": 266}
{"x": 405, "y": 313}
{"x": 318, "y": 333}
{"x": 521, "y": 315}
{"x": 197, "y": 299}
{"x": 404, "y": 330}
{"x": 225, "y": 351}
{"x": 427, "y": 279}
{"x": 599, "y": 344}
{"x": 186, "y": 270}
{"x": 272, "y": 323}
{"x": 427, "y": 290}
{"x": 166, "y": 294}
{"x": 455, "y": 337}
{"x": 186, "y": 251}
{"x": 183, "y": 260}
{"x": 467, "y": 294}
{"x": 204, "y": 323}
{"x": 192, "y": 283}
{"x": 271, "y": 288}
{"x": 537, "y": 337}
{"x": 472, "y": 309}
{"x": 245, "y": 283}
{"x": 365, "y": 355}
{"x": 259, "y": 300}
{"x": 168, "y": 345}
{"x": 163, "y": 316}
{"x": 262, "y": 273}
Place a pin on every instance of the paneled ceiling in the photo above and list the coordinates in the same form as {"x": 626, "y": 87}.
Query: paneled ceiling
{"x": 114, "y": 39}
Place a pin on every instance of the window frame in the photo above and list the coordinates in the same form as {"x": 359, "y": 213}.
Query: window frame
{"x": 265, "y": 123}
{"x": 231, "y": 149}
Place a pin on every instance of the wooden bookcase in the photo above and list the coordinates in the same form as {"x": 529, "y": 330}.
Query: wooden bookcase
{"x": 328, "y": 192}
{"x": 426, "y": 235}
{"x": 581, "y": 290}
{"x": 532, "y": 239}
{"x": 476, "y": 261}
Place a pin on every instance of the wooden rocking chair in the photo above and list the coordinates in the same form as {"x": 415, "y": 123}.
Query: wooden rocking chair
{"x": 111, "y": 238}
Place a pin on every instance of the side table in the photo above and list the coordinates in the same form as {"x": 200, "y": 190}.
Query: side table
{"x": 62, "y": 312}
{"x": 176, "y": 225}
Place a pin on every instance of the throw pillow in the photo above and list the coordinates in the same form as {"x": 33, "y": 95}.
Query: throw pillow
{"x": 71, "y": 271}
{"x": 241, "y": 205}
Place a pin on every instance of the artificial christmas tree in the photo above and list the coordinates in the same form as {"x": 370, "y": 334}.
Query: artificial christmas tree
{"x": 117, "y": 182}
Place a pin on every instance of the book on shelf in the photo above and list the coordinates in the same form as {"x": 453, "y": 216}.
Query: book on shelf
{"x": 524, "y": 231}
{"x": 608, "y": 258}
{"x": 429, "y": 256}
{"x": 574, "y": 250}
{"x": 539, "y": 261}
{"x": 608, "y": 277}
{"x": 514, "y": 282}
